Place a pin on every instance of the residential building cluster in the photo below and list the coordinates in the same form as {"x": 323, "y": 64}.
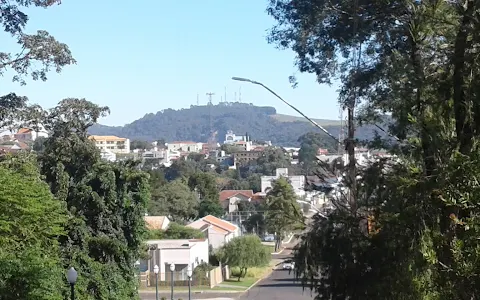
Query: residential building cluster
{"x": 185, "y": 252}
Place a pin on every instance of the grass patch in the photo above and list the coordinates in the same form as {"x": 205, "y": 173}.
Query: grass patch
{"x": 244, "y": 283}
{"x": 252, "y": 273}
{"x": 271, "y": 249}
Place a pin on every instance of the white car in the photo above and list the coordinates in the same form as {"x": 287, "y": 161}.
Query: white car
{"x": 288, "y": 265}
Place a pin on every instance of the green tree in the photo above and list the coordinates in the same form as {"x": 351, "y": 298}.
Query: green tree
{"x": 38, "y": 144}
{"x": 144, "y": 145}
{"x": 282, "y": 212}
{"x": 174, "y": 200}
{"x": 205, "y": 185}
{"x": 210, "y": 207}
{"x": 271, "y": 159}
{"x": 37, "y": 54}
{"x": 245, "y": 252}
{"x": 106, "y": 203}
{"x": 176, "y": 231}
{"x": 309, "y": 145}
{"x": 32, "y": 222}
{"x": 255, "y": 224}
{"x": 412, "y": 60}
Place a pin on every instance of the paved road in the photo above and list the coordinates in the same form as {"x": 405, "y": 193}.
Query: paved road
{"x": 280, "y": 285}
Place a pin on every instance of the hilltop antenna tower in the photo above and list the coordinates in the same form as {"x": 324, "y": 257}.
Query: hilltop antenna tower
{"x": 210, "y": 105}
{"x": 198, "y": 101}
{"x": 240, "y": 94}
{"x": 225, "y": 98}
{"x": 210, "y": 98}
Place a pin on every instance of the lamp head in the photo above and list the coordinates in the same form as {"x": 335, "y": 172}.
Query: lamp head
{"x": 72, "y": 275}
{"x": 172, "y": 267}
{"x": 156, "y": 269}
{"x": 189, "y": 271}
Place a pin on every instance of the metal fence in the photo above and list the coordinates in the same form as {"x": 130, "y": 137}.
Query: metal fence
{"x": 179, "y": 279}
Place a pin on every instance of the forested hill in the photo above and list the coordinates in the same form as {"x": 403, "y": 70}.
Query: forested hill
{"x": 193, "y": 124}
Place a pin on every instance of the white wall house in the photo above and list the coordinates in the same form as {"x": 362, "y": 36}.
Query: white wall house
{"x": 218, "y": 231}
{"x": 231, "y": 138}
{"x": 182, "y": 253}
{"x": 229, "y": 199}
{"x": 108, "y": 155}
{"x": 297, "y": 182}
{"x": 111, "y": 143}
{"x": 186, "y": 146}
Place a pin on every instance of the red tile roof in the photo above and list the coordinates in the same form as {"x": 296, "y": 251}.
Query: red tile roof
{"x": 220, "y": 223}
{"x": 24, "y": 130}
{"x": 227, "y": 194}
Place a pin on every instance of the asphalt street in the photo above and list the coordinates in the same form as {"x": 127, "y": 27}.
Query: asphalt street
{"x": 280, "y": 285}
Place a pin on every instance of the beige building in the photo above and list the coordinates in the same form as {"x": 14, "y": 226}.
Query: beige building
{"x": 111, "y": 143}
{"x": 185, "y": 147}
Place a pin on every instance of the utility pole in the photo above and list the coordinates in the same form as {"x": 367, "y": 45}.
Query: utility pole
{"x": 352, "y": 164}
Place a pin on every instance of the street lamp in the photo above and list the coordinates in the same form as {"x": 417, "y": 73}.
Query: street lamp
{"x": 284, "y": 101}
{"x": 156, "y": 269}
{"x": 136, "y": 266}
{"x": 72, "y": 276}
{"x": 189, "y": 274}
{"x": 172, "y": 268}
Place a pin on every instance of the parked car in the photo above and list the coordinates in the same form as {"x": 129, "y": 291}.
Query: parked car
{"x": 288, "y": 265}
{"x": 269, "y": 238}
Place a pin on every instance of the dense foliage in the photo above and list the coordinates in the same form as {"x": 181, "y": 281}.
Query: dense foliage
{"x": 414, "y": 234}
{"x": 106, "y": 203}
{"x": 31, "y": 223}
{"x": 193, "y": 125}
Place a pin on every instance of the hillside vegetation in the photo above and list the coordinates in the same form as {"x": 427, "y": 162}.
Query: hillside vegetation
{"x": 193, "y": 124}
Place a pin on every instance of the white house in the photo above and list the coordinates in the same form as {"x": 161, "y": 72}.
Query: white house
{"x": 186, "y": 146}
{"x": 182, "y": 253}
{"x": 231, "y": 138}
{"x": 218, "y": 231}
{"x": 111, "y": 143}
{"x": 229, "y": 199}
{"x": 297, "y": 182}
{"x": 108, "y": 155}
{"x": 29, "y": 134}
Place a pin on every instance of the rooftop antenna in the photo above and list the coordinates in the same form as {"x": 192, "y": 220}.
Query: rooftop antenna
{"x": 198, "y": 101}
{"x": 235, "y": 97}
{"x": 225, "y": 99}
{"x": 240, "y": 94}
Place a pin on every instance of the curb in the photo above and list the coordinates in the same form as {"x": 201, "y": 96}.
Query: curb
{"x": 279, "y": 252}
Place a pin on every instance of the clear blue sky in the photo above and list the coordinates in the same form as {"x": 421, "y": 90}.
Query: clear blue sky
{"x": 139, "y": 57}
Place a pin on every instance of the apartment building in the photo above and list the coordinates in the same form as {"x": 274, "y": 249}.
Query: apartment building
{"x": 111, "y": 143}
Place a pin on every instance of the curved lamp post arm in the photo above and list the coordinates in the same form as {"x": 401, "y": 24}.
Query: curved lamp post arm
{"x": 284, "y": 101}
